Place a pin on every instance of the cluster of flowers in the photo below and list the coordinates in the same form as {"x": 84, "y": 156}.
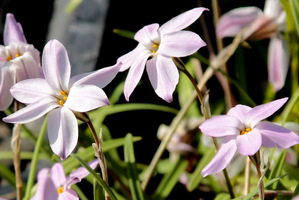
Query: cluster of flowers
{"x": 50, "y": 89}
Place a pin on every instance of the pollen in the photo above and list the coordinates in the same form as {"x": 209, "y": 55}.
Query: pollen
{"x": 62, "y": 93}
{"x": 61, "y": 102}
{"x": 245, "y": 131}
{"x": 155, "y": 46}
{"x": 17, "y": 55}
{"x": 65, "y": 98}
{"x": 8, "y": 58}
{"x": 60, "y": 190}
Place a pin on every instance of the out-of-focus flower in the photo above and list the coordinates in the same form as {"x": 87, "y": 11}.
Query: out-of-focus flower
{"x": 161, "y": 44}
{"x": 260, "y": 25}
{"x": 245, "y": 131}
{"x": 63, "y": 97}
{"x": 53, "y": 185}
{"x": 18, "y": 60}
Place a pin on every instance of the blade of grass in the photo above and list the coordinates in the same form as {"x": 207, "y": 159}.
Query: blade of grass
{"x": 277, "y": 169}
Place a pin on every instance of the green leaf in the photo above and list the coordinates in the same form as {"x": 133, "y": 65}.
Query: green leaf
{"x": 171, "y": 178}
{"x": 222, "y": 196}
{"x": 96, "y": 176}
{"x": 255, "y": 191}
{"x": 134, "y": 181}
{"x": 196, "y": 177}
{"x": 296, "y": 191}
{"x": 295, "y": 10}
{"x": 7, "y": 175}
{"x": 277, "y": 169}
{"x": 98, "y": 193}
{"x": 72, "y": 5}
{"x": 124, "y": 33}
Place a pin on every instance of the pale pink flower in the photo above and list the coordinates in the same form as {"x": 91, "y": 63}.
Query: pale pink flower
{"x": 161, "y": 44}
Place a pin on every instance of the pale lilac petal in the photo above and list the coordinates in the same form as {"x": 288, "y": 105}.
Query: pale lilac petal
{"x": 258, "y": 113}
{"x": 220, "y": 126}
{"x": 45, "y": 189}
{"x": 58, "y": 175}
{"x": 273, "y": 134}
{"x": 182, "y": 21}
{"x": 68, "y": 195}
{"x": 62, "y": 132}
{"x": 134, "y": 75}
{"x": 100, "y": 78}
{"x": 6, "y": 82}
{"x": 278, "y": 61}
{"x": 12, "y": 30}
{"x": 163, "y": 75}
{"x": 148, "y": 34}
{"x": 249, "y": 143}
{"x": 222, "y": 158}
{"x": 83, "y": 98}
{"x": 239, "y": 111}
{"x": 28, "y": 66}
{"x": 32, "y": 112}
{"x": 180, "y": 44}
{"x": 129, "y": 58}
{"x": 232, "y": 22}
{"x": 273, "y": 8}
{"x": 56, "y": 66}
{"x": 80, "y": 173}
{"x": 31, "y": 90}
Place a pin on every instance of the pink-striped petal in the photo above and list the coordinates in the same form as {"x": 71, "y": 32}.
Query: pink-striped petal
{"x": 239, "y": 112}
{"x": 56, "y": 66}
{"x": 163, "y": 75}
{"x": 222, "y": 125}
{"x": 275, "y": 135}
{"x": 6, "y": 82}
{"x": 222, "y": 158}
{"x": 13, "y": 30}
{"x": 58, "y": 175}
{"x": 31, "y": 90}
{"x": 69, "y": 194}
{"x": 258, "y": 113}
{"x": 249, "y": 143}
{"x": 62, "y": 131}
{"x": 83, "y": 98}
{"x": 182, "y": 21}
{"x": 32, "y": 112}
{"x": 180, "y": 44}
{"x": 232, "y": 22}
{"x": 148, "y": 34}
{"x": 278, "y": 61}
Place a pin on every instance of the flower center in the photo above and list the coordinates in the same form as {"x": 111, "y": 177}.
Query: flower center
{"x": 60, "y": 190}
{"x": 154, "y": 48}
{"x": 63, "y": 99}
{"x": 245, "y": 131}
{"x": 10, "y": 57}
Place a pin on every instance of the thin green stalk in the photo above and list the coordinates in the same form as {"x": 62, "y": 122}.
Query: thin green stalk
{"x": 288, "y": 109}
{"x": 37, "y": 149}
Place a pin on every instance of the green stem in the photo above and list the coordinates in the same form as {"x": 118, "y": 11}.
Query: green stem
{"x": 35, "y": 157}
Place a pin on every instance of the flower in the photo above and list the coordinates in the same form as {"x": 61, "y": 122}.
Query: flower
{"x": 60, "y": 96}
{"x": 56, "y": 186}
{"x": 245, "y": 131}
{"x": 161, "y": 44}
{"x": 260, "y": 25}
{"x": 18, "y": 60}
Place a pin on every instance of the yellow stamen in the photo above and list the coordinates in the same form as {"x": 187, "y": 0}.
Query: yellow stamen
{"x": 60, "y": 190}
{"x": 62, "y": 93}
{"x": 245, "y": 131}
{"x": 61, "y": 102}
{"x": 64, "y": 98}
{"x": 153, "y": 51}
{"x": 155, "y": 46}
{"x": 8, "y": 58}
{"x": 17, "y": 55}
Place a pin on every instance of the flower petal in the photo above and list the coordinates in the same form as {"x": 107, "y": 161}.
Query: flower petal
{"x": 278, "y": 61}
{"x": 31, "y": 90}
{"x": 56, "y": 66}
{"x": 69, "y": 194}
{"x": 12, "y": 30}
{"x": 62, "y": 131}
{"x": 100, "y": 78}
{"x": 46, "y": 189}
{"x": 182, "y": 21}
{"x": 58, "y": 175}
{"x": 83, "y": 98}
{"x": 273, "y": 134}
{"x": 6, "y": 82}
{"x": 239, "y": 111}
{"x": 258, "y": 113}
{"x": 80, "y": 173}
{"x": 232, "y": 22}
{"x": 180, "y": 44}
{"x": 220, "y": 126}
{"x": 148, "y": 34}
{"x": 222, "y": 158}
{"x": 135, "y": 74}
{"x": 249, "y": 143}
{"x": 163, "y": 75}
{"x": 32, "y": 111}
